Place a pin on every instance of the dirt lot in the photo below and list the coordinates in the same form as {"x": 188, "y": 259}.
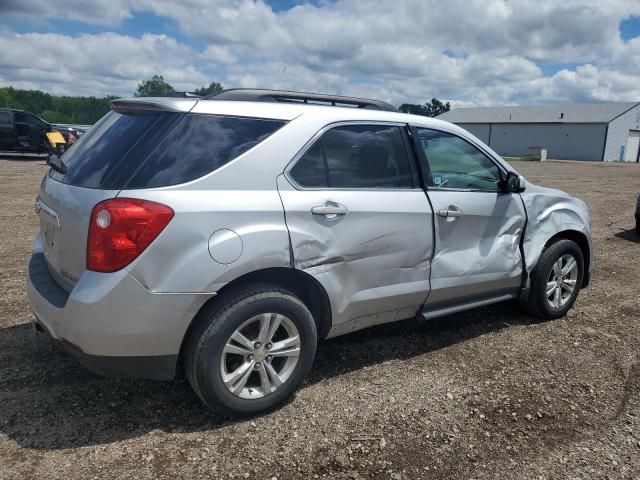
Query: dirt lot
{"x": 484, "y": 394}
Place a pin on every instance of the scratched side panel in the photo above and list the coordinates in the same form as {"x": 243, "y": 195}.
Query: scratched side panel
{"x": 374, "y": 262}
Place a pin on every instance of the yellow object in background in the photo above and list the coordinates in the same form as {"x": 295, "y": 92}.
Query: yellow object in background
{"x": 55, "y": 138}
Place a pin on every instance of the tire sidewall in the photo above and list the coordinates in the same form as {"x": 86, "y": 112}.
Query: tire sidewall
{"x": 207, "y": 364}
{"x": 553, "y": 253}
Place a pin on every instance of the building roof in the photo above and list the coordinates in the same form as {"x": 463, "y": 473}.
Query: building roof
{"x": 572, "y": 113}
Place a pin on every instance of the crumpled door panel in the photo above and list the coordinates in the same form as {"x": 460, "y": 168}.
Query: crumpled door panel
{"x": 478, "y": 252}
{"x": 374, "y": 261}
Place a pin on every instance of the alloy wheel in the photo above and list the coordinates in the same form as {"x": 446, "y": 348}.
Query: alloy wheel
{"x": 260, "y": 356}
{"x": 562, "y": 281}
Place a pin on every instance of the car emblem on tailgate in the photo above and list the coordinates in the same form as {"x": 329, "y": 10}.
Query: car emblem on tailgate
{"x": 43, "y": 207}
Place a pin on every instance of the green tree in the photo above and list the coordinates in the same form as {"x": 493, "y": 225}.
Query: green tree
{"x": 66, "y": 109}
{"x": 29, "y": 100}
{"x": 430, "y": 109}
{"x": 214, "y": 87}
{"x": 155, "y": 87}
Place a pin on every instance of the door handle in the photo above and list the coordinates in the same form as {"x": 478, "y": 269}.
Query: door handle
{"x": 451, "y": 212}
{"x": 330, "y": 210}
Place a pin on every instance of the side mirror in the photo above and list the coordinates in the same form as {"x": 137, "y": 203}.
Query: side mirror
{"x": 513, "y": 183}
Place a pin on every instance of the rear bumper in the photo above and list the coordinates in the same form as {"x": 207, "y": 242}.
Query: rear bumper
{"x": 158, "y": 367}
{"x": 110, "y": 322}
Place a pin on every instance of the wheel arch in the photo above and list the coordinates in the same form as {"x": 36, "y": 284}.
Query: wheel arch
{"x": 583, "y": 242}
{"x": 301, "y": 284}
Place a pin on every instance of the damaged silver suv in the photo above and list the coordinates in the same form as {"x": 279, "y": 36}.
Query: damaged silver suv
{"x": 229, "y": 234}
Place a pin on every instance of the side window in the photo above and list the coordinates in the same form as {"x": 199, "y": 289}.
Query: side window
{"x": 34, "y": 122}
{"x": 456, "y": 164}
{"x": 5, "y": 118}
{"x": 310, "y": 171}
{"x": 356, "y": 156}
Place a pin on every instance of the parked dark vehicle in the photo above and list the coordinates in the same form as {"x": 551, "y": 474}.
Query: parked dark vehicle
{"x": 22, "y": 131}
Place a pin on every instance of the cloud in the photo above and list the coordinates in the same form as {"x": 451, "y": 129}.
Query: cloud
{"x": 100, "y": 64}
{"x": 98, "y": 12}
{"x": 470, "y": 52}
{"x": 218, "y": 54}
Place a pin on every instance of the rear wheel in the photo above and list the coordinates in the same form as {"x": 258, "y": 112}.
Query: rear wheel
{"x": 556, "y": 280}
{"x": 252, "y": 351}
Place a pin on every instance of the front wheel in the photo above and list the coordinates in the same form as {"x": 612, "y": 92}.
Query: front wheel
{"x": 252, "y": 351}
{"x": 555, "y": 281}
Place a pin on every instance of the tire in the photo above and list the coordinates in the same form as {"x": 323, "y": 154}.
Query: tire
{"x": 638, "y": 227}
{"x": 538, "y": 303}
{"x": 207, "y": 351}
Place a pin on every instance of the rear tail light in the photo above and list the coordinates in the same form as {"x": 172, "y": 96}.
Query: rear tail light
{"x": 120, "y": 229}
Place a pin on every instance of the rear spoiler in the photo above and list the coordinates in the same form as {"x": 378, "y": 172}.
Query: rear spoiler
{"x": 147, "y": 105}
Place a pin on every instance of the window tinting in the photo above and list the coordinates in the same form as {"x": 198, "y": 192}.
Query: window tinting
{"x": 159, "y": 149}
{"x": 356, "y": 156}
{"x": 5, "y": 117}
{"x": 34, "y": 121}
{"x": 310, "y": 170}
{"x": 456, "y": 164}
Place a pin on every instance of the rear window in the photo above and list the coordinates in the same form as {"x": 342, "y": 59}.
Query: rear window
{"x": 127, "y": 151}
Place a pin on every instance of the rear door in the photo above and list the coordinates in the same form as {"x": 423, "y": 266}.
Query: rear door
{"x": 64, "y": 212}
{"x": 38, "y": 129}
{"x": 66, "y": 200}
{"x": 22, "y": 129}
{"x": 359, "y": 223}
{"x": 477, "y": 227}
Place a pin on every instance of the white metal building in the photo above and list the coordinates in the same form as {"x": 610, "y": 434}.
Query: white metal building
{"x": 597, "y": 131}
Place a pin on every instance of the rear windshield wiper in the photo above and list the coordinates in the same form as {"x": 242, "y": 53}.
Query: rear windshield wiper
{"x": 57, "y": 164}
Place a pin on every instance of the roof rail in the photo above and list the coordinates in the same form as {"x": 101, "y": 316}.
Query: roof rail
{"x": 184, "y": 95}
{"x": 260, "y": 95}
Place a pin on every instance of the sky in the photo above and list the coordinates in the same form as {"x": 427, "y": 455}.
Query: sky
{"x": 468, "y": 52}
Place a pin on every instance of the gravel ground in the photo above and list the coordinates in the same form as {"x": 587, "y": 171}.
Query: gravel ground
{"x": 484, "y": 394}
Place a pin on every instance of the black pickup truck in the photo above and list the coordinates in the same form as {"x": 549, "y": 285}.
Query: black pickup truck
{"x": 22, "y": 131}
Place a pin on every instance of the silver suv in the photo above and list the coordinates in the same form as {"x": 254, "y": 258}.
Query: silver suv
{"x": 228, "y": 235}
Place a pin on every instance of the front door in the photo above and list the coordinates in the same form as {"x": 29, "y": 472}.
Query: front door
{"x": 360, "y": 224}
{"x": 22, "y": 130}
{"x": 477, "y": 227}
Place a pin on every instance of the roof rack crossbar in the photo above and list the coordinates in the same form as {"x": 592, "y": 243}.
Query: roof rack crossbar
{"x": 259, "y": 95}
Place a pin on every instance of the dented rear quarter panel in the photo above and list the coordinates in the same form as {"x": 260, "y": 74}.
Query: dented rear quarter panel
{"x": 255, "y": 216}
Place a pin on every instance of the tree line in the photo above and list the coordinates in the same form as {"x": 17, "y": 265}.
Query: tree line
{"x": 64, "y": 109}
{"x": 87, "y": 110}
